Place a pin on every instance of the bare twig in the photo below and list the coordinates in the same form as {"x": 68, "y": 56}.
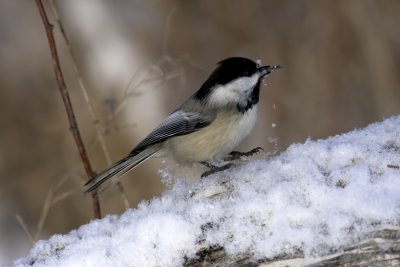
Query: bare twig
{"x": 68, "y": 105}
{"x": 63, "y": 196}
{"x": 92, "y": 110}
{"x": 43, "y": 213}
{"x": 139, "y": 80}
{"x": 25, "y": 228}
{"x": 51, "y": 199}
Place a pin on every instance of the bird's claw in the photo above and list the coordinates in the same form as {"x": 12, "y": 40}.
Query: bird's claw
{"x": 215, "y": 169}
{"x": 237, "y": 154}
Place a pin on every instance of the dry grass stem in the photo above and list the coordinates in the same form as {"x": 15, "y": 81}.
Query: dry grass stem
{"x": 25, "y": 228}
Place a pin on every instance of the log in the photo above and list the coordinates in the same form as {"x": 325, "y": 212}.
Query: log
{"x": 379, "y": 249}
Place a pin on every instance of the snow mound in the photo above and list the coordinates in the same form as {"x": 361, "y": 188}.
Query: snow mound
{"x": 313, "y": 199}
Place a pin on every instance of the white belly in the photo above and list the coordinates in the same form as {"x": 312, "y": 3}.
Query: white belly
{"x": 215, "y": 141}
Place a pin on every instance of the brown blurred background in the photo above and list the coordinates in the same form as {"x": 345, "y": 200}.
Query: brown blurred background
{"x": 341, "y": 71}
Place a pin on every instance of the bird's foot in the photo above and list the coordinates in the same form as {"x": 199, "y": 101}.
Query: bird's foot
{"x": 237, "y": 154}
{"x": 214, "y": 169}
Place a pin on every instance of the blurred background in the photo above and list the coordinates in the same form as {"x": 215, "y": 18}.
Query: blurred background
{"x": 140, "y": 60}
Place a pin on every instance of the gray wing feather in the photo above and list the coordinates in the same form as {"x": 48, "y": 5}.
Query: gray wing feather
{"x": 178, "y": 123}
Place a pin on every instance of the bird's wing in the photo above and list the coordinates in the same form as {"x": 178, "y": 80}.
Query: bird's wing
{"x": 178, "y": 123}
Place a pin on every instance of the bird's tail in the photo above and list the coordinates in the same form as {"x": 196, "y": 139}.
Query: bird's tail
{"x": 118, "y": 168}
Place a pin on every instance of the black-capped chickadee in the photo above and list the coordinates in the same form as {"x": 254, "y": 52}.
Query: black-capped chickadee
{"x": 208, "y": 126}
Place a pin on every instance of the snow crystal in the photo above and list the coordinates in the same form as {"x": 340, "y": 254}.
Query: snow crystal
{"x": 312, "y": 199}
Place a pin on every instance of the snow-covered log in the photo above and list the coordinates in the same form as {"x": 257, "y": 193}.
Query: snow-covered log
{"x": 322, "y": 203}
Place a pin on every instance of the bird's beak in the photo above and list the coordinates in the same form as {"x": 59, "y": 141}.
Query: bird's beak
{"x": 265, "y": 70}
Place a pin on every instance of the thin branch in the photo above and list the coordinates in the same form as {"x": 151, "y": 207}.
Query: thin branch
{"x": 68, "y": 105}
{"x": 43, "y": 213}
{"x": 63, "y": 196}
{"x": 25, "y": 228}
{"x": 53, "y": 198}
{"x": 92, "y": 110}
{"x": 137, "y": 81}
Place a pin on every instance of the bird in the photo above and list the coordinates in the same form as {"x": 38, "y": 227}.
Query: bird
{"x": 206, "y": 127}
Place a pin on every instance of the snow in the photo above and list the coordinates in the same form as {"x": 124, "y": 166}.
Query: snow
{"x": 314, "y": 198}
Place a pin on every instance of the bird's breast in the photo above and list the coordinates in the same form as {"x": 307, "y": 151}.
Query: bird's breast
{"x": 216, "y": 140}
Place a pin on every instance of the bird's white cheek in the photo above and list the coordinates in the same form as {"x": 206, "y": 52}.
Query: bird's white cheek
{"x": 224, "y": 95}
{"x": 234, "y": 92}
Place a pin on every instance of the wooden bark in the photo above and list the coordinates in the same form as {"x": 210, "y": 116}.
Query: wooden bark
{"x": 381, "y": 248}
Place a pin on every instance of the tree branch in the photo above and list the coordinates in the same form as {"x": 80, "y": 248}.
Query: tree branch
{"x": 92, "y": 111}
{"x": 379, "y": 248}
{"x": 68, "y": 105}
